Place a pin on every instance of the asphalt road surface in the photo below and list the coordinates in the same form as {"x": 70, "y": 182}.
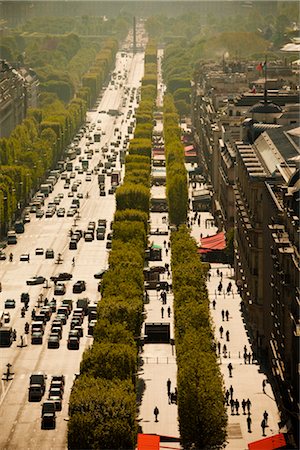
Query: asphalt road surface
{"x": 20, "y": 419}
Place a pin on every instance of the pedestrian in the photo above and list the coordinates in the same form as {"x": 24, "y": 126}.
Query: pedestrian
{"x": 245, "y": 357}
{"x": 230, "y": 369}
{"x": 223, "y": 314}
{"x": 219, "y": 347}
{"x": 165, "y": 243}
{"x": 227, "y": 336}
{"x": 227, "y": 397}
{"x": 265, "y": 416}
{"x": 263, "y": 427}
{"x": 214, "y": 304}
{"x": 237, "y": 405}
{"x": 221, "y": 274}
{"x": 248, "y": 403}
{"x": 227, "y": 314}
{"x": 245, "y": 349}
{"x": 208, "y": 276}
{"x": 264, "y": 386}
{"x": 199, "y": 221}
{"x": 229, "y": 286}
{"x": 231, "y": 391}
{"x": 220, "y": 287}
{"x": 33, "y": 314}
{"x": 221, "y": 329}
{"x": 14, "y": 333}
{"x": 249, "y": 358}
{"x": 244, "y": 406}
{"x": 167, "y": 252}
{"x": 224, "y": 350}
{"x": 156, "y": 412}
{"x": 218, "y": 272}
{"x": 169, "y": 311}
{"x": 169, "y": 244}
{"x": 169, "y": 385}
{"x": 249, "y": 421}
{"x": 162, "y": 312}
{"x": 232, "y": 403}
{"x": 22, "y": 341}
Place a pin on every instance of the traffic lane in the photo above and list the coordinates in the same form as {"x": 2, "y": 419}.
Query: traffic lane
{"x": 27, "y": 421}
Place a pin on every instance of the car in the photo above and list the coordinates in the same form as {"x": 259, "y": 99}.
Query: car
{"x": 49, "y": 253}
{"x": 60, "y": 195}
{"x": 102, "y": 193}
{"x": 79, "y": 287}
{"x": 66, "y": 186}
{"x": 56, "y": 200}
{"x": 39, "y": 213}
{"x": 63, "y": 276}
{"x": 50, "y": 212}
{"x": 79, "y": 195}
{"x": 2, "y": 256}
{"x": 6, "y": 317}
{"x": 80, "y": 171}
{"x": 91, "y": 327}
{"x": 57, "y": 331}
{"x": 52, "y": 305}
{"x": 73, "y": 244}
{"x": 61, "y": 212}
{"x": 37, "y": 338}
{"x": 88, "y": 178}
{"x": 35, "y": 280}
{"x": 63, "y": 318}
{"x": 73, "y": 174}
{"x": 39, "y": 251}
{"x": 25, "y": 257}
{"x": 71, "y": 212}
{"x": 53, "y": 341}
{"x": 108, "y": 244}
{"x": 100, "y": 274}
{"x": 55, "y": 392}
{"x": 60, "y": 289}
{"x": 73, "y": 343}
{"x": 88, "y": 237}
{"x": 9, "y": 303}
{"x": 58, "y": 377}
{"x": 71, "y": 193}
{"x": 56, "y": 400}
{"x": 27, "y": 218}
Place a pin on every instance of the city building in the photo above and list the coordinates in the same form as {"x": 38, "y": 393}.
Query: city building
{"x": 267, "y": 258}
{"x": 19, "y": 90}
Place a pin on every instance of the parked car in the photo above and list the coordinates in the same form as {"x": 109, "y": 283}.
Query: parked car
{"x": 100, "y": 274}
{"x": 35, "y": 280}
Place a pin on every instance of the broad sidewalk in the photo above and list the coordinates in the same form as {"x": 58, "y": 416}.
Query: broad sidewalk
{"x": 159, "y": 360}
{"x": 247, "y": 379}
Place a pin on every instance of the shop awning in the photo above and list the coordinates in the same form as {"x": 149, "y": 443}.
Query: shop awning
{"x": 189, "y": 151}
{"x": 212, "y": 243}
{"x": 148, "y": 442}
{"x": 275, "y": 442}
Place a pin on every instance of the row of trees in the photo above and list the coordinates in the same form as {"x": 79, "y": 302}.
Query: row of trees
{"x": 103, "y": 400}
{"x": 177, "y": 187}
{"x": 201, "y": 410}
{"x": 39, "y": 142}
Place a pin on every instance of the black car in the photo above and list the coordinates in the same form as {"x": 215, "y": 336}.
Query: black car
{"x": 63, "y": 276}
{"x": 100, "y": 274}
{"x": 79, "y": 287}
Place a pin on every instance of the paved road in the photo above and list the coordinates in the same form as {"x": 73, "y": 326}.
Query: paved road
{"x": 20, "y": 420}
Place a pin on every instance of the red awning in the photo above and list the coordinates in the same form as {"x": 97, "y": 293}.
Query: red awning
{"x": 275, "y": 442}
{"x": 148, "y": 442}
{"x": 189, "y": 151}
{"x": 158, "y": 151}
{"x": 212, "y": 243}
